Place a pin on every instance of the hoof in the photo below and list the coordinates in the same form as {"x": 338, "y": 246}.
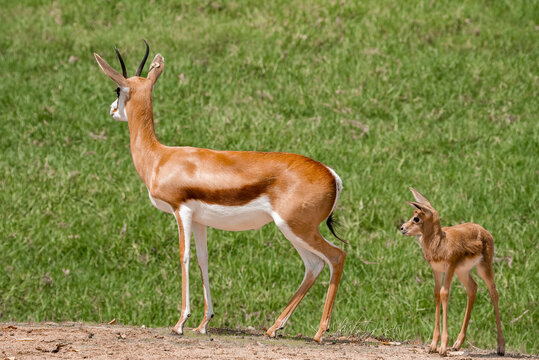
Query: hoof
{"x": 178, "y": 328}
{"x": 318, "y": 337}
{"x": 201, "y": 330}
{"x": 271, "y": 333}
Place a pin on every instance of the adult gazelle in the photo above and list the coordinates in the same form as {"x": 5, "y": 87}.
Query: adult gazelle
{"x": 230, "y": 190}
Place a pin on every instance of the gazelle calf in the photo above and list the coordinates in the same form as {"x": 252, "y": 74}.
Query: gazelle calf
{"x": 230, "y": 190}
{"x": 453, "y": 250}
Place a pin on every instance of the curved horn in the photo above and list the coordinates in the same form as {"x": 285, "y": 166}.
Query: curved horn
{"x": 124, "y": 71}
{"x": 139, "y": 71}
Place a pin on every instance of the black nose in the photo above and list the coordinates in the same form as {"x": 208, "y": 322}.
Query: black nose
{"x": 402, "y": 228}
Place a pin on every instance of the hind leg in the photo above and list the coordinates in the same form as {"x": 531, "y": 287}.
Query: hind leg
{"x": 486, "y": 272}
{"x": 312, "y": 242}
{"x": 313, "y": 267}
{"x": 335, "y": 258}
{"x": 471, "y": 289}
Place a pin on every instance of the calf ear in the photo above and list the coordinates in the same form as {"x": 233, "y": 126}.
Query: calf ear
{"x": 419, "y": 197}
{"x": 416, "y": 205}
{"x": 421, "y": 207}
{"x": 156, "y": 68}
{"x": 111, "y": 73}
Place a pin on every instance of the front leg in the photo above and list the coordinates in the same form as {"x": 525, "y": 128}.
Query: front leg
{"x": 184, "y": 218}
{"x": 436, "y": 333}
{"x": 444, "y": 296}
{"x": 201, "y": 243}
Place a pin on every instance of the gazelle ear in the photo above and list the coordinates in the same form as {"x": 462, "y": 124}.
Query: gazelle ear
{"x": 156, "y": 68}
{"x": 419, "y": 197}
{"x": 111, "y": 73}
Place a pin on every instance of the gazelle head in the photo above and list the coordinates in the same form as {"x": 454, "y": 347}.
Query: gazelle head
{"x": 135, "y": 86}
{"x": 423, "y": 218}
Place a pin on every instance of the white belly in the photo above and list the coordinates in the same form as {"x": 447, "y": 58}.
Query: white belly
{"x": 469, "y": 263}
{"x": 250, "y": 216}
{"x": 463, "y": 266}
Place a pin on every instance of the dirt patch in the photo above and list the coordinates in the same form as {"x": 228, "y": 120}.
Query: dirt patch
{"x": 99, "y": 341}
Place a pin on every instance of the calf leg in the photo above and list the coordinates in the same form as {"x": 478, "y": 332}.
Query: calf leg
{"x": 487, "y": 274}
{"x": 444, "y": 297}
{"x": 436, "y": 333}
{"x": 471, "y": 290}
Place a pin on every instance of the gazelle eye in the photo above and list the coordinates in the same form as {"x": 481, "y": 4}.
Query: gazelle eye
{"x": 416, "y": 219}
{"x": 117, "y": 91}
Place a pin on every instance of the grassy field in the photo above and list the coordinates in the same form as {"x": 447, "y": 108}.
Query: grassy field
{"x": 439, "y": 95}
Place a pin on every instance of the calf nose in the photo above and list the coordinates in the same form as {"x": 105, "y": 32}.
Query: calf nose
{"x": 402, "y": 228}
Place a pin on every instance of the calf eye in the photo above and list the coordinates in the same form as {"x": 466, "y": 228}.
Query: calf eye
{"x": 416, "y": 219}
{"x": 118, "y": 91}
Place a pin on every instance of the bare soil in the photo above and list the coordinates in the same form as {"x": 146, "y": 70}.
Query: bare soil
{"x": 102, "y": 341}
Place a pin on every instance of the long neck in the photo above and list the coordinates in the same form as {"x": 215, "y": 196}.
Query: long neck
{"x": 144, "y": 144}
{"x": 433, "y": 235}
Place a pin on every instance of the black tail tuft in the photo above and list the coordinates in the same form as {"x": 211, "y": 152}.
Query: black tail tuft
{"x": 330, "y": 222}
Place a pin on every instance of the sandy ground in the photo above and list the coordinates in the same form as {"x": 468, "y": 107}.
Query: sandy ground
{"x": 103, "y": 341}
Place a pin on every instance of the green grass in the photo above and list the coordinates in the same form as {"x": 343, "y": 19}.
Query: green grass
{"x": 448, "y": 91}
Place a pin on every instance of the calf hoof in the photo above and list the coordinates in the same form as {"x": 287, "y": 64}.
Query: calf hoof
{"x": 458, "y": 344}
{"x": 443, "y": 351}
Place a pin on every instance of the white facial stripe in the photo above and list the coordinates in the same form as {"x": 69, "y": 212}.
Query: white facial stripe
{"x": 114, "y": 107}
{"x": 117, "y": 108}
